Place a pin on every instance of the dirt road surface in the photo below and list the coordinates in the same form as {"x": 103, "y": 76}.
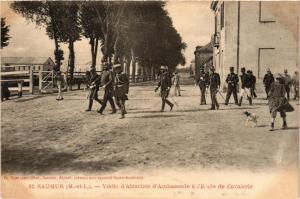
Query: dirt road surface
{"x": 41, "y": 135}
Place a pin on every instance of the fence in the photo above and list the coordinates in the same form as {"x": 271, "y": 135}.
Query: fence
{"x": 44, "y": 81}
{"x": 16, "y": 81}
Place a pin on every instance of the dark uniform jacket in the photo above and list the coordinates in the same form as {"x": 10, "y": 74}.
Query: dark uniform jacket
{"x": 107, "y": 79}
{"x": 232, "y": 79}
{"x": 214, "y": 82}
{"x": 165, "y": 81}
{"x": 268, "y": 79}
{"x": 246, "y": 81}
{"x": 121, "y": 86}
{"x": 203, "y": 80}
{"x": 95, "y": 80}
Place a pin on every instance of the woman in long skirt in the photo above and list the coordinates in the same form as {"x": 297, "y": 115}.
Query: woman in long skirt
{"x": 278, "y": 102}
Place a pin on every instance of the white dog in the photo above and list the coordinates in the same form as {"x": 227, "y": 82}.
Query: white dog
{"x": 251, "y": 118}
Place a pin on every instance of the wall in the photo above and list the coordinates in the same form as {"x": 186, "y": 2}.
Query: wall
{"x": 277, "y": 41}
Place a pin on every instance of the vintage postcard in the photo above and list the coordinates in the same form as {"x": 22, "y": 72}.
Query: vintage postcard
{"x": 149, "y": 99}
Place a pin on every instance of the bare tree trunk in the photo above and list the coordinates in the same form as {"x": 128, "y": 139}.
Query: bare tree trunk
{"x": 92, "y": 43}
{"x": 133, "y": 66}
{"x": 127, "y": 67}
{"x": 71, "y": 62}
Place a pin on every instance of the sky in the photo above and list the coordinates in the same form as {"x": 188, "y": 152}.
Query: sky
{"x": 193, "y": 20}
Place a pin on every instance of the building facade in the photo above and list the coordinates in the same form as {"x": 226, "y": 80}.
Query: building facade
{"x": 256, "y": 35}
{"x": 203, "y": 57}
{"x": 27, "y": 63}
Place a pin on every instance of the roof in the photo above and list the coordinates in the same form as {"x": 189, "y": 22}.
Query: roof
{"x": 24, "y": 60}
{"x": 208, "y": 48}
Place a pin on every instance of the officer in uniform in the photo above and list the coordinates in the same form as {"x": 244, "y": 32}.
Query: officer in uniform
{"x": 94, "y": 83}
{"x": 107, "y": 81}
{"x": 203, "y": 82}
{"x": 121, "y": 88}
{"x": 246, "y": 86}
{"x": 214, "y": 85}
{"x": 232, "y": 80}
{"x": 165, "y": 83}
{"x": 268, "y": 80}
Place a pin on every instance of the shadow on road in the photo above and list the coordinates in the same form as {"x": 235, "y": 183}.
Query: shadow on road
{"x": 28, "y": 99}
{"x": 155, "y": 116}
{"x": 45, "y": 161}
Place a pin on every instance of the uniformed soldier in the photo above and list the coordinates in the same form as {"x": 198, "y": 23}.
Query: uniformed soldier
{"x": 246, "y": 86}
{"x": 203, "y": 82}
{"x": 214, "y": 85}
{"x": 253, "y": 86}
{"x": 295, "y": 82}
{"x": 176, "y": 83}
{"x": 232, "y": 80}
{"x": 287, "y": 83}
{"x": 107, "y": 81}
{"x": 164, "y": 84}
{"x": 268, "y": 80}
{"x": 94, "y": 83}
{"x": 121, "y": 88}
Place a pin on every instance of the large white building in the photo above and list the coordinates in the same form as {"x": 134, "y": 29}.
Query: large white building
{"x": 256, "y": 35}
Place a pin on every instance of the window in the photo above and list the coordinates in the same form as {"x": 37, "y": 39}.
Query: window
{"x": 265, "y": 14}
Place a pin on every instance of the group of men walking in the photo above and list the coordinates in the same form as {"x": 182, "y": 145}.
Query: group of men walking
{"x": 114, "y": 82}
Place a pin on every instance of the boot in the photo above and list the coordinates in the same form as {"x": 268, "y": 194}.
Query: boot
{"x": 250, "y": 100}
{"x": 284, "y": 125}
{"x": 90, "y": 106}
{"x": 162, "y": 107}
{"x": 272, "y": 126}
{"x": 241, "y": 100}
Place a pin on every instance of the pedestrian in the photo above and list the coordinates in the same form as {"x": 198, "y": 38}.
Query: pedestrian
{"x": 232, "y": 80}
{"x": 287, "y": 83}
{"x": 295, "y": 83}
{"x": 214, "y": 85}
{"x": 176, "y": 83}
{"x": 121, "y": 88}
{"x": 278, "y": 102}
{"x": 245, "y": 87}
{"x": 107, "y": 80}
{"x": 164, "y": 84}
{"x": 59, "y": 81}
{"x": 253, "y": 87}
{"x": 5, "y": 93}
{"x": 203, "y": 82}
{"x": 268, "y": 80}
{"x": 94, "y": 83}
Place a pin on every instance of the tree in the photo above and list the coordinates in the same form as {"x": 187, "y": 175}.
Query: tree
{"x": 45, "y": 14}
{"x": 91, "y": 26}
{"x": 69, "y": 31}
{"x": 4, "y": 33}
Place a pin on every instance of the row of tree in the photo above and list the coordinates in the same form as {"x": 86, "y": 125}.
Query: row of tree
{"x": 125, "y": 32}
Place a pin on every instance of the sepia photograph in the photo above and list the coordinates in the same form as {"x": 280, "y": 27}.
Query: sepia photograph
{"x": 149, "y": 99}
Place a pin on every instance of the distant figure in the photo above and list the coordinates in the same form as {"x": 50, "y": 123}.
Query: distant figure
{"x": 278, "y": 102}
{"x": 5, "y": 93}
{"x": 287, "y": 83}
{"x": 87, "y": 79}
{"x": 232, "y": 80}
{"x": 214, "y": 85}
{"x": 245, "y": 87}
{"x": 59, "y": 81}
{"x": 176, "y": 83}
{"x": 121, "y": 88}
{"x": 295, "y": 82}
{"x": 203, "y": 82}
{"x": 164, "y": 84}
{"x": 94, "y": 83}
{"x": 268, "y": 80}
{"x": 253, "y": 86}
